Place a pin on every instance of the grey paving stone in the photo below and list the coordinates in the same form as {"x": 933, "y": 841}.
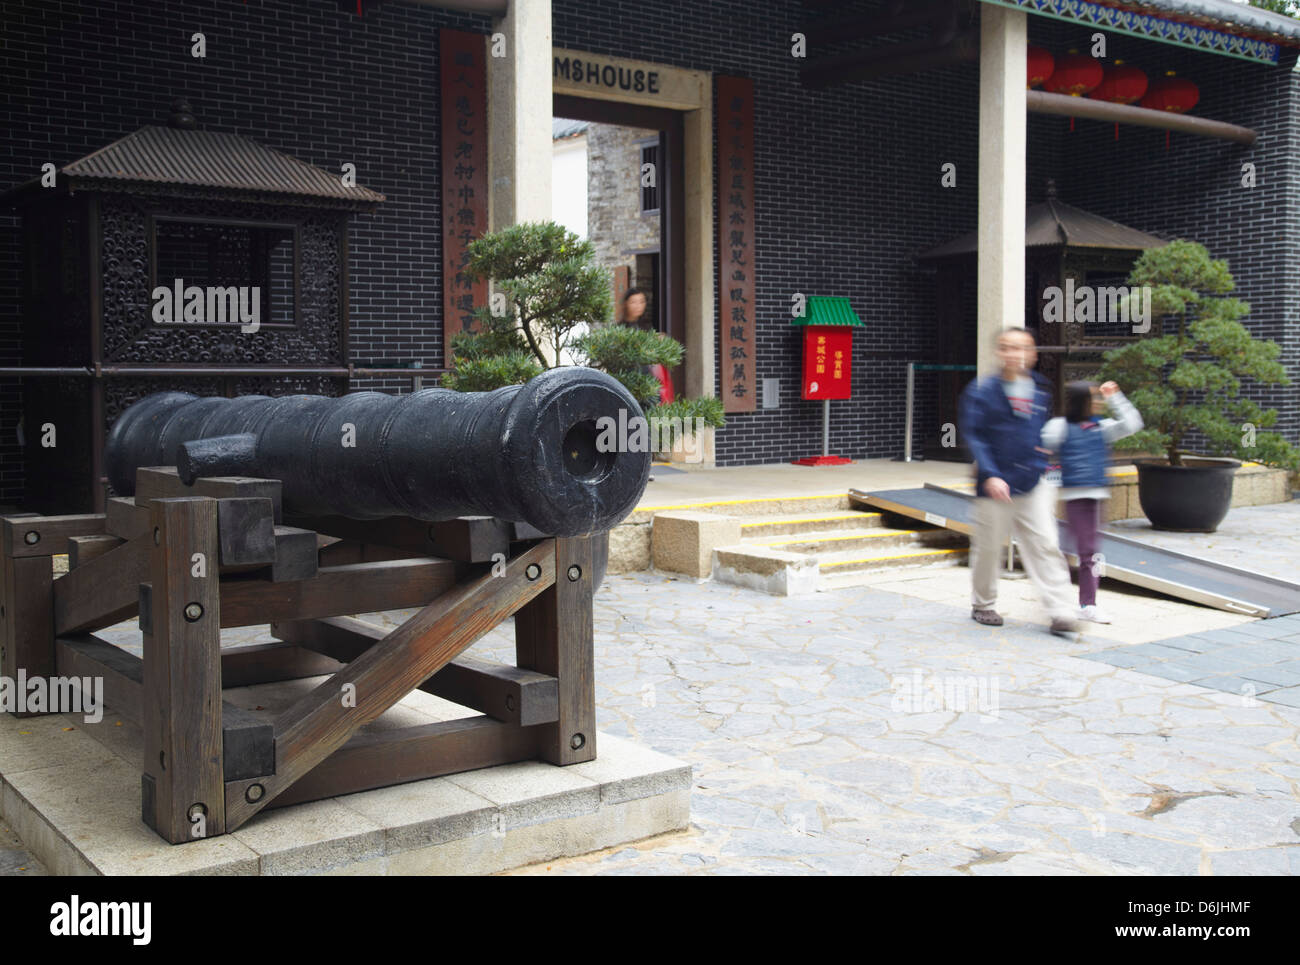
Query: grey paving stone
{"x": 1174, "y": 671}
{"x": 1261, "y": 862}
{"x": 1119, "y": 658}
{"x": 1236, "y": 685}
{"x": 1288, "y": 697}
{"x": 1214, "y": 663}
{"x": 1273, "y": 675}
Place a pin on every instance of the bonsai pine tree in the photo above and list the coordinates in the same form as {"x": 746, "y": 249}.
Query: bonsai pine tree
{"x": 550, "y": 285}
{"x": 546, "y": 278}
{"x": 1187, "y": 380}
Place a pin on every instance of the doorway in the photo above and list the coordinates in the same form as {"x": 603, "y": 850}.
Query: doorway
{"x": 661, "y": 268}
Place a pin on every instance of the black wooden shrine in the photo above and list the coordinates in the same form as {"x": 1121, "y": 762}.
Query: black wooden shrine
{"x": 214, "y": 210}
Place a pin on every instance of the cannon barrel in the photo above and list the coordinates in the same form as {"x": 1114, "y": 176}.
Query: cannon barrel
{"x": 526, "y": 453}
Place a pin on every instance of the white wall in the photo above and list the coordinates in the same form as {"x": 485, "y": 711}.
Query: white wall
{"x": 569, "y": 184}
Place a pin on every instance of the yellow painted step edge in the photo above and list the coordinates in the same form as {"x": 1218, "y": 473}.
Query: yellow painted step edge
{"x": 892, "y": 556}
{"x": 872, "y": 534}
{"x": 808, "y": 519}
{"x": 739, "y": 502}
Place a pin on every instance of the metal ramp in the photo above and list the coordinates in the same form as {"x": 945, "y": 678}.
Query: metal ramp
{"x": 1132, "y": 561}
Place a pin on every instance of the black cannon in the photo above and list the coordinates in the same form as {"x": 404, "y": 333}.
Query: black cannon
{"x": 525, "y": 453}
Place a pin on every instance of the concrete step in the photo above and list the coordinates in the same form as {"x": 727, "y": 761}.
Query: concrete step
{"x": 765, "y": 506}
{"x": 834, "y": 563}
{"x": 816, "y": 561}
{"x": 877, "y": 540}
{"x": 817, "y": 522}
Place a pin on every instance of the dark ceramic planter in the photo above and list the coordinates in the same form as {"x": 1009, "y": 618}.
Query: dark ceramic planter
{"x": 1191, "y": 498}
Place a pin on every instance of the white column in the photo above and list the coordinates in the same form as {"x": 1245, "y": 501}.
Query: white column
{"x": 519, "y": 116}
{"x": 1002, "y": 123}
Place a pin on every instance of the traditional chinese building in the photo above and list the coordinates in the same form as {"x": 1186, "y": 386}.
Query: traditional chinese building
{"x": 803, "y": 147}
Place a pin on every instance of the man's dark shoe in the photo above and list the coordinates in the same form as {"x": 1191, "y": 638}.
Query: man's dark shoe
{"x": 989, "y": 618}
{"x": 1062, "y": 626}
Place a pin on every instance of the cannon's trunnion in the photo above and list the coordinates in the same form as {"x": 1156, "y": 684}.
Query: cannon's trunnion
{"x": 470, "y": 508}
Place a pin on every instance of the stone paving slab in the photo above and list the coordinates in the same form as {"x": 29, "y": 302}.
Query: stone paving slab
{"x": 1254, "y": 660}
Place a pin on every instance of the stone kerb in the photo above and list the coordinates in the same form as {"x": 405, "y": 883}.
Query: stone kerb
{"x": 683, "y": 541}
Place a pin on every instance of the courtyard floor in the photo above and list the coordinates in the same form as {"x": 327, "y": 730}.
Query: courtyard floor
{"x": 878, "y": 730}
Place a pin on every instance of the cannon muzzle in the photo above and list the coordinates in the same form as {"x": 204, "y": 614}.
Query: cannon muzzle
{"x": 526, "y": 453}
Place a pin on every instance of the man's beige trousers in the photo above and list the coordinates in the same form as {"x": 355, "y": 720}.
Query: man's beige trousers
{"x": 1029, "y": 518}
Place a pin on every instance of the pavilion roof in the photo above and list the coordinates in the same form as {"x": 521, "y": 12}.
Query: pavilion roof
{"x": 1057, "y": 224}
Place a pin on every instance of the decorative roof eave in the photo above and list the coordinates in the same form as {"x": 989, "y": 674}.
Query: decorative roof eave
{"x": 182, "y": 161}
{"x": 1055, "y": 224}
{"x": 32, "y": 191}
{"x": 827, "y": 310}
{"x": 1183, "y": 24}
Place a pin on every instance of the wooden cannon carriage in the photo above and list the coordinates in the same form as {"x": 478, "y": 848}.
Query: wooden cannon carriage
{"x": 204, "y": 546}
{"x": 192, "y": 560}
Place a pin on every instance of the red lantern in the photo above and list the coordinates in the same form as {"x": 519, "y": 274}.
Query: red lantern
{"x": 1172, "y": 93}
{"x": 1075, "y": 75}
{"x": 1120, "y": 84}
{"x": 1041, "y": 64}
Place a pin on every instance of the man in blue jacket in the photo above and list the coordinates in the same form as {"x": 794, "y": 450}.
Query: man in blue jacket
{"x": 1002, "y": 418}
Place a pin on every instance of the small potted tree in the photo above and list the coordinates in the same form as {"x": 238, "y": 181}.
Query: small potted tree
{"x": 1186, "y": 382}
{"x": 553, "y": 303}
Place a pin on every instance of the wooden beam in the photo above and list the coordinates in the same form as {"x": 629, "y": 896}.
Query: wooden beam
{"x": 295, "y": 554}
{"x": 248, "y": 740}
{"x": 322, "y": 721}
{"x": 336, "y": 590}
{"x": 264, "y": 663}
{"x": 86, "y": 655}
{"x": 505, "y": 693}
{"x": 124, "y": 519}
{"x": 27, "y": 536}
{"x": 161, "y": 482}
{"x": 554, "y": 636}
{"x": 104, "y": 591}
{"x": 246, "y": 531}
{"x": 83, "y": 549}
{"x": 181, "y": 703}
{"x": 1045, "y": 102}
{"x": 247, "y": 743}
{"x": 382, "y": 758}
{"x": 26, "y": 617}
{"x": 466, "y": 539}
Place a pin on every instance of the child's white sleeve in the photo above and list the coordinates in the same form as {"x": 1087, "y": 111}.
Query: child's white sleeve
{"x": 1054, "y": 434}
{"x": 1128, "y": 422}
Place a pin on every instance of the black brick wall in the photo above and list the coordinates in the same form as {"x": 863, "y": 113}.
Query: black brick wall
{"x": 847, "y": 186}
{"x": 306, "y": 77}
{"x": 847, "y": 191}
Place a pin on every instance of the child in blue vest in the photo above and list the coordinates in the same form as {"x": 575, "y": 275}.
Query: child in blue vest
{"x": 1083, "y": 441}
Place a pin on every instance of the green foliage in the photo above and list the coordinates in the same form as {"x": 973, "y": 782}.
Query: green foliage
{"x": 622, "y": 350}
{"x": 1188, "y": 379}
{"x": 550, "y": 283}
{"x": 551, "y": 286}
{"x": 706, "y": 409}
{"x": 491, "y": 372}
{"x": 615, "y": 347}
{"x": 1290, "y": 8}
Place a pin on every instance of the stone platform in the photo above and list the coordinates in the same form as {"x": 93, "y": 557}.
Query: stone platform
{"x": 71, "y": 792}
